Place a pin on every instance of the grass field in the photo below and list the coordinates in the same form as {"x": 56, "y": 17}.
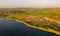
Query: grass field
{"x": 47, "y": 18}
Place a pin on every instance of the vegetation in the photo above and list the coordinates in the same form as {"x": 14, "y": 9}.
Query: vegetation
{"x": 47, "y": 18}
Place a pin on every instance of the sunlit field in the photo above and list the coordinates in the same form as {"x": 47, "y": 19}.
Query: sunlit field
{"x": 48, "y": 19}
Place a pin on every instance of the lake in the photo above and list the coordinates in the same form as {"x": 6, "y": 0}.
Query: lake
{"x": 13, "y": 28}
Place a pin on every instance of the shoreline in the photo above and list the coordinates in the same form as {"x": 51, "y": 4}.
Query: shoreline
{"x": 39, "y": 28}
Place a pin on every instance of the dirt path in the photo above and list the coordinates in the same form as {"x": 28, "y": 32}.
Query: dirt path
{"x": 52, "y": 20}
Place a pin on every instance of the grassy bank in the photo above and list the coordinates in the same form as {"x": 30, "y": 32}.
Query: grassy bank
{"x": 39, "y": 28}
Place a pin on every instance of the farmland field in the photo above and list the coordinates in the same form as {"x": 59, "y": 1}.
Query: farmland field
{"x": 46, "y": 19}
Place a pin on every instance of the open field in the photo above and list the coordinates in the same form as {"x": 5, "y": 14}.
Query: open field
{"x": 46, "y": 19}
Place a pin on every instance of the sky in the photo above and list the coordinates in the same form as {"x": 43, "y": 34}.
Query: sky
{"x": 29, "y": 3}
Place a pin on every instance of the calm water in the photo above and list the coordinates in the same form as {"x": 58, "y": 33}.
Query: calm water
{"x": 13, "y": 28}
